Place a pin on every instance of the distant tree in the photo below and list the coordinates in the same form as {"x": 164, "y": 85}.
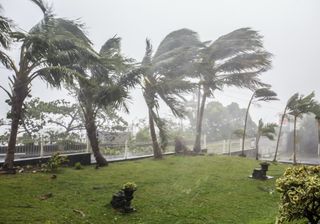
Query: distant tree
{"x": 289, "y": 102}
{"x": 220, "y": 121}
{"x": 267, "y": 130}
{"x": 259, "y": 95}
{"x": 44, "y": 52}
{"x": 300, "y": 105}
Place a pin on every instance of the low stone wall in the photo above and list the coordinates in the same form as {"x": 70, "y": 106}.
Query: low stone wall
{"x": 83, "y": 158}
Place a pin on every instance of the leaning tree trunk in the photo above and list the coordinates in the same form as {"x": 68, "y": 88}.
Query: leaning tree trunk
{"x": 294, "y": 141}
{"x": 279, "y": 134}
{"x": 92, "y": 135}
{"x": 197, "y": 143}
{"x": 20, "y": 92}
{"x": 245, "y": 126}
{"x": 156, "y": 148}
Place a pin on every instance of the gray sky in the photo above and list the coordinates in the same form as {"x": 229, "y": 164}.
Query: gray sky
{"x": 291, "y": 30}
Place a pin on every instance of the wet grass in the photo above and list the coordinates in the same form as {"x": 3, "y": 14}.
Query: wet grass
{"x": 202, "y": 189}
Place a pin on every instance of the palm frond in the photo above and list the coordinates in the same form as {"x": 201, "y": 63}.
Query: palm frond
{"x": 248, "y": 61}
{"x": 265, "y": 94}
{"x": 239, "y": 41}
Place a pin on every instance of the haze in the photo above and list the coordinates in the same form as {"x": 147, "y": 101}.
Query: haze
{"x": 290, "y": 29}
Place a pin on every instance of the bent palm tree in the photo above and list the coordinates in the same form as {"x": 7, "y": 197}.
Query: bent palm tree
{"x": 262, "y": 94}
{"x": 235, "y": 59}
{"x": 162, "y": 79}
{"x": 300, "y": 105}
{"x": 44, "y": 52}
{"x": 104, "y": 87}
{"x": 292, "y": 99}
{"x": 267, "y": 130}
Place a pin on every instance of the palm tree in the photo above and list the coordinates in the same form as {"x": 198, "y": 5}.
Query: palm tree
{"x": 300, "y": 105}
{"x": 162, "y": 79}
{"x": 267, "y": 130}
{"x": 235, "y": 59}
{"x": 262, "y": 94}
{"x": 105, "y": 86}
{"x": 44, "y": 52}
{"x": 292, "y": 99}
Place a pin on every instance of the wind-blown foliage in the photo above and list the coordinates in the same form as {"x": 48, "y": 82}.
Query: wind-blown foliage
{"x": 298, "y": 106}
{"x": 162, "y": 79}
{"x": 236, "y": 59}
{"x": 292, "y": 99}
{"x": 105, "y": 86}
{"x": 259, "y": 95}
{"x": 45, "y": 51}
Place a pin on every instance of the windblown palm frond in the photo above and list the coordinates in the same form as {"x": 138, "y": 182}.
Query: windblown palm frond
{"x": 265, "y": 94}
{"x": 5, "y": 31}
{"x": 239, "y": 41}
{"x": 300, "y": 105}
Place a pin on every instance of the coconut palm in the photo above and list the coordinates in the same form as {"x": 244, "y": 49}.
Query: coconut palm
{"x": 292, "y": 99}
{"x": 235, "y": 59}
{"x": 105, "y": 86}
{"x": 267, "y": 130}
{"x": 259, "y": 95}
{"x": 162, "y": 80}
{"x": 45, "y": 50}
{"x": 299, "y": 106}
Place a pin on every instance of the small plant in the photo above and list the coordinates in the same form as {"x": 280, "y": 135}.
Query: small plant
{"x": 300, "y": 194}
{"x": 129, "y": 186}
{"x": 54, "y": 163}
{"x": 78, "y": 166}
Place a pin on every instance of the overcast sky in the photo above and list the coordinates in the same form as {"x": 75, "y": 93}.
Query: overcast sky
{"x": 291, "y": 30}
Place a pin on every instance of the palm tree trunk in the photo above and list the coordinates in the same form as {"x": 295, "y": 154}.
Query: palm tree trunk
{"x": 245, "y": 126}
{"x": 20, "y": 92}
{"x": 294, "y": 141}
{"x": 197, "y": 143}
{"x": 279, "y": 134}
{"x": 94, "y": 143}
{"x": 156, "y": 148}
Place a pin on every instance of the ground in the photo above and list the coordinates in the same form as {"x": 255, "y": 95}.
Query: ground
{"x": 177, "y": 189}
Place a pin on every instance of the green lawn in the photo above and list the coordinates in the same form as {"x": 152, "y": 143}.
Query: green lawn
{"x": 202, "y": 189}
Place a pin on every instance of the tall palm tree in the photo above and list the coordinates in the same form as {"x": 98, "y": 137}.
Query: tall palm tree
{"x": 105, "y": 86}
{"x": 45, "y": 50}
{"x": 297, "y": 108}
{"x": 162, "y": 80}
{"x": 259, "y": 95}
{"x": 267, "y": 130}
{"x": 235, "y": 59}
{"x": 292, "y": 99}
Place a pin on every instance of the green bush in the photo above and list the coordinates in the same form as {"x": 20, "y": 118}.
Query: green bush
{"x": 300, "y": 194}
{"x": 78, "y": 166}
{"x": 54, "y": 162}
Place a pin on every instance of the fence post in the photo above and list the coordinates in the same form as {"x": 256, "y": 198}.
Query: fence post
{"x": 224, "y": 146}
{"x": 205, "y": 141}
{"x": 41, "y": 145}
{"x": 126, "y": 149}
{"x": 88, "y": 144}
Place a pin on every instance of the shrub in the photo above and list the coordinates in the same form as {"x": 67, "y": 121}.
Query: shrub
{"x": 78, "y": 166}
{"x": 130, "y": 186}
{"x": 54, "y": 162}
{"x": 300, "y": 194}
